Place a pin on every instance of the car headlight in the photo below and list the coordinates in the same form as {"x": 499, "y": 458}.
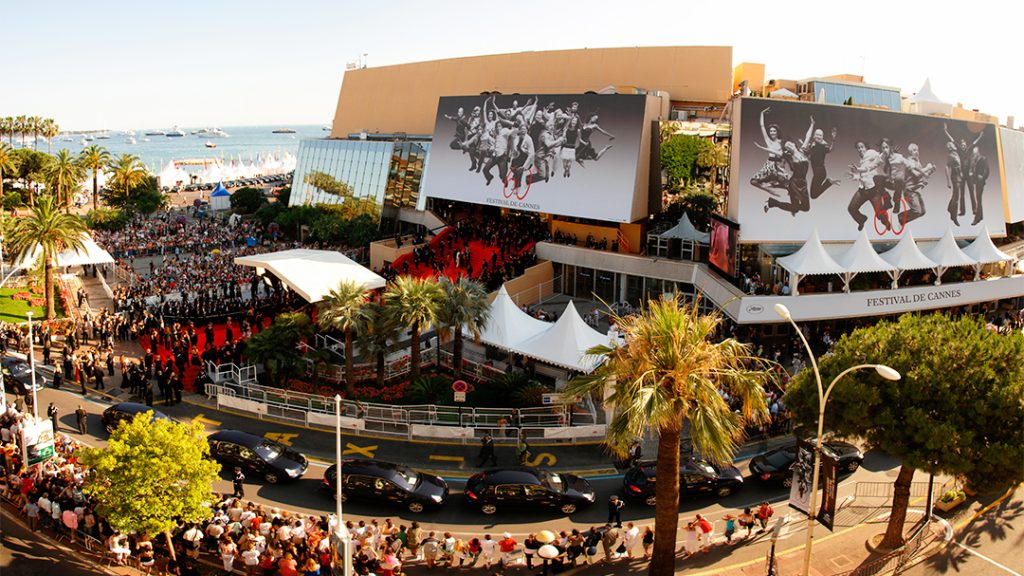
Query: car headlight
{"x": 589, "y": 496}
{"x": 294, "y": 472}
{"x": 436, "y": 498}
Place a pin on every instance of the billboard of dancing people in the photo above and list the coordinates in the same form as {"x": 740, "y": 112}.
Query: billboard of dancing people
{"x": 843, "y": 169}
{"x": 573, "y": 155}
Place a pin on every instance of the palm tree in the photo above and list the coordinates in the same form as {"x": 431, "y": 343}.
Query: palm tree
{"x": 127, "y": 172}
{"x": 21, "y": 125}
{"x": 713, "y": 157}
{"x": 669, "y": 369}
{"x": 464, "y": 305}
{"x": 8, "y": 163}
{"x": 94, "y": 158}
{"x": 344, "y": 309}
{"x": 374, "y": 335}
{"x": 36, "y": 124}
{"x": 413, "y": 302}
{"x": 63, "y": 175}
{"x": 50, "y": 131}
{"x": 47, "y": 228}
{"x": 7, "y": 126}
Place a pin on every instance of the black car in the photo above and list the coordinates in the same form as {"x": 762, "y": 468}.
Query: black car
{"x": 257, "y": 455}
{"x": 521, "y": 487}
{"x": 775, "y": 465}
{"x": 386, "y": 482}
{"x": 18, "y": 375}
{"x": 696, "y": 478}
{"x": 126, "y": 411}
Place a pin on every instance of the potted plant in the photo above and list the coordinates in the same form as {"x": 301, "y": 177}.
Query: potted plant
{"x": 951, "y": 499}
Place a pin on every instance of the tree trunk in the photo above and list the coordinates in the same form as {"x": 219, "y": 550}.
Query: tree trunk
{"x": 380, "y": 369}
{"x": 350, "y": 385}
{"x": 898, "y": 513}
{"x": 457, "y": 352}
{"x": 415, "y": 359}
{"x": 48, "y": 284}
{"x": 666, "y": 511}
{"x": 95, "y": 188}
{"x": 170, "y": 546}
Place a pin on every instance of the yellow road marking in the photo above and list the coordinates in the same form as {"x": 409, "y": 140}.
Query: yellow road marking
{"x": 987, "y": 508}
{"x": 205, "y": 421}
{"x": 543, "y": 456}
{"x": 282, "y": 437}
{"x": 367, "y": 451}
{"x": 446, "y": 458}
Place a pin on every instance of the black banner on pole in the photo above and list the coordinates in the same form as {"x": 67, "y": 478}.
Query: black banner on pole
{"x": 830, "y": 490}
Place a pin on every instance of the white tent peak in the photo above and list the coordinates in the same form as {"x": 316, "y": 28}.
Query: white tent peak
{"x": 925, "y": 94}
{"x": 566, "y": 343}
{"x": 783, "y": 93}
{"x": 983, "y": 251}
{"x": 946, "y": 253}
{"x": 905, "y": 255}
{"x": 811, "y": 258}
{"x": 685, "y": 230}
{"x": 508, "y": 325}
{"x": 861, "y": 257}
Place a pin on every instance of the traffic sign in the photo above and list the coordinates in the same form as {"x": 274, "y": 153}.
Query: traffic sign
{"x": 460, "y": 396}
{"x": 460, "y": 386}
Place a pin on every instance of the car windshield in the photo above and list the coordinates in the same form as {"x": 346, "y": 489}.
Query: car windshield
{"x": 409, "y": 477}
{"x": 552, "y": 481}
{"x": 269, "y": 451}
{"x": 704, "y": 467}
{"x": 782, "y": 457}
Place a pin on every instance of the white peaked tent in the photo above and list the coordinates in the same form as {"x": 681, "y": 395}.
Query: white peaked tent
{"x": 313, "y": 273}
{"x": 172, "y": 174}
{"x": 905, "y": 255}
{"x": 91, "y": 253}
{"x": 783, "y": 93}
{"x": 508, "y": 325}
{"x": 685, "y": 230}
{"x": 926, "y": 102}
{"x": 810, "y": 259}
{"x": 983, "y": 251}
{"x": 566, "y": 343}
{"x": 861, "y": 257}
{"x": 946, "y": 254}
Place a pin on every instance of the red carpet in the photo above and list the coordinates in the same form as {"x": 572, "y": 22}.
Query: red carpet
{"x": 479, "y": 252}
{"x": 192, "y": 372}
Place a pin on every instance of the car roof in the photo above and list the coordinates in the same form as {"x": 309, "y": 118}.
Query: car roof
{"x": 239, "y": 437}
{"x": 518, "y": 475}
{"x": 370, "y": 468}
{"x": 136, "y": 408}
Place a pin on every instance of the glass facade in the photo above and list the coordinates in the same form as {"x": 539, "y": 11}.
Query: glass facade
{"x": 836, "y": 93}
{"x": 348, "y": 172}
{"x": 406, "y": 174}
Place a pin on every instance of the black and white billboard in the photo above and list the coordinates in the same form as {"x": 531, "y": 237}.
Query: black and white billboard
{"x": 573, "y": 155}
{"x": 841, "y": 169}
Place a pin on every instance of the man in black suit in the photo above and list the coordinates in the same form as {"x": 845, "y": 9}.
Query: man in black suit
{"x": 977, "y": 175}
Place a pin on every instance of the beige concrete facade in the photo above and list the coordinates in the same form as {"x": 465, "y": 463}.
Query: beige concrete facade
{"x": 752, "y": 72}
{"x": 403, "y": 97}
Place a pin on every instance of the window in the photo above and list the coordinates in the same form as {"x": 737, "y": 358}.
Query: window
{"x": 508, "y": 491}
{"x": 359, "y": 482}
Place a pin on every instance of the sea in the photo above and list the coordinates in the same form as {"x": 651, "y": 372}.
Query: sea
{"x": 243, "y": 143}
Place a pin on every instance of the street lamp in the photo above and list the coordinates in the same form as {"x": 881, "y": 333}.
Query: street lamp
{"x": 547, "y": 552}
{"x": 339, "y": 528}
{"x": 882, "y": 370}
{"x": 32, "y": 368}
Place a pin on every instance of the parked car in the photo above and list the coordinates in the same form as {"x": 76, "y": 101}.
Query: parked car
{"x": 386, "y": 482}
{"x": 775, "y": 465}
{"x": 18, "y": 375}
{"x": 522, "y": 487}
{"x": 256, "y": 455}
{"x": 113, "y": 415}
{"x": 696, "y": 478}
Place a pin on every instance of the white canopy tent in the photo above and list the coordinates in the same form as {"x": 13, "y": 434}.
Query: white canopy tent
{"x": 861, "y": 257}
{"x": 983, "y": 251}
{"x": 685, "y": 230}
{"x": 905, "y": 255}
{"x": 313, "y": 273}
{"x": 508, "y": 325}
{"x": 566, "y": 343}
{"x": 91, "y": 253}
{"x": 810, "y": 259}
{"x": 946, "y": 254}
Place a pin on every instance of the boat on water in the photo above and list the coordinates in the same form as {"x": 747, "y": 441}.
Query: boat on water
{"x": 88, "y": 138}
{"x": 103, "y": 136}
{"x": 283, "y": 131}
{"x": 213, "y": 132}
{"x": 175, "y": 133}
{"x": 155, "y": 133}
{"x": 210, "y": 144}
{"x": 83, "y": 142}
{"x": 130, "y": 140}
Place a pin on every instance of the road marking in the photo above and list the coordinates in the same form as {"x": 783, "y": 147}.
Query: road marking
{"x": 205, "y": 421}
{"x": 282, "y": 437}
{"x": 367, "y": 451}
{"x": 548, "y": 456}
{"x": 987, "y": 559}
{"x": 444, "y": 458}
{"x": 987, "y": 508}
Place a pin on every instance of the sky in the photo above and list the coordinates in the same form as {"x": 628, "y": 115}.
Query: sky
{"x": 119, "y": 64}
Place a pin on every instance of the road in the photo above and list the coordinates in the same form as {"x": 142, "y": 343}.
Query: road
{"x": 23, "y": 553}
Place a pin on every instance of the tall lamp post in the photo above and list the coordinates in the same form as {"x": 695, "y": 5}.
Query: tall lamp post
{"x": 882, "y": 370}
{"x": 340, "y": 530}
{"x": 32, "y": 368}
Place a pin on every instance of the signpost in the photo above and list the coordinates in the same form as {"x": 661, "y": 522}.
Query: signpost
{"x": 459, "y": 387}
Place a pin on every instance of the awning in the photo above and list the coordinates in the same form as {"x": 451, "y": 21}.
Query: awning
{"x": 983, "y": 251}
{"x": 91, "y": 253}
{"x": 861, "y": 257}
{"x": 907, "y": 256}
{"x": 313, "y": 273}
{"x": 945, "y": 253}
{"x": 811, "y": 259}
{"x": 509, "y": 325}
{"x": 566, "y": 343}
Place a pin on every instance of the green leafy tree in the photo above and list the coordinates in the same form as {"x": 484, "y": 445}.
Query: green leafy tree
{"x": 63, "y": 175}
{"x": 31, "y": 168}
{"x": 50, "y": 131}
{"x": 151, "y": 474}
{"x": 143, "y": 197}
{"x": 698, "y": 203}
{"x": 8, "y": 164}
{"x": 712, "y": 158}
{"x": 679, "y": 157}
{"x": 344, "y": 310}
{"x": 127, "y": 174}
{"x": 957, "y": 409}
{"x": 671, "y": 367}
{"x": 46, "y": 228}
{"x": 275, "y": 347}
{"x": 464, "y": 304}
{"x": 376, "y": 334}
{"x": 94, "y": 158}
{"x": 110, "y": 219}
{"x": 247, "y": 200}
{"x": 414, "y": 302}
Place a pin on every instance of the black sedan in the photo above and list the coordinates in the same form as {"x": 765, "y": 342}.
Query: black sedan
{"x": 386, "y": 482}
{"x": 18, "y": 376}
{"x": 776, "y": 465}
{"x": 521, "y": 487}
{"x": 256, "y": 455}
{"x": 696, "y": 478}
{"x": 126, "y": 411}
